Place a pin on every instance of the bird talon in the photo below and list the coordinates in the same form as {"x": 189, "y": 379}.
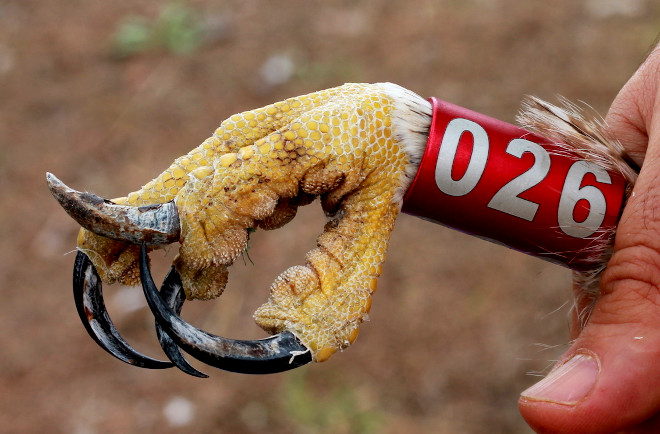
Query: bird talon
{"x": 356, "y": 147}
{"x": 264, "y": 356}
{"x": 152, "y": 224}
{"x": 88, "y": 295}
{"x": 278, "y": 353}
{"x": 173, "y": 295}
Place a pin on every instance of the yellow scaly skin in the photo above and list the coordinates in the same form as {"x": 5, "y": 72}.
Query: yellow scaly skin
{"x": 345, "y": 144}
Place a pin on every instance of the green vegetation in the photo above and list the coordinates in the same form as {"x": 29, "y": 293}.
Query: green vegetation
{"x": 339, "y": 409}
{"x": 177, "y": 29}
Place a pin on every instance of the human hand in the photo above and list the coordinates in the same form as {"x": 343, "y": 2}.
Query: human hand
{"x": 609, "y": 380}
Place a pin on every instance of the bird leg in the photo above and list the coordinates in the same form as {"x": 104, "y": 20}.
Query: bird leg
{"x": 356, "y": 147}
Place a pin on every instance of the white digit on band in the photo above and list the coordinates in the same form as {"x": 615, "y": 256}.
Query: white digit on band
{"x": 455, "y": 129}
{"x": 506, "y": 199}
{"x": 572, "y": 193}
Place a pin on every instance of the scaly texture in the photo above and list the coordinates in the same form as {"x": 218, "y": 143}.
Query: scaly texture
{"x": 356, "y": 146}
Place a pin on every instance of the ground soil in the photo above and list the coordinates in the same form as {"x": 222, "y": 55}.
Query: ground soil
{"x": 459, "y": 326}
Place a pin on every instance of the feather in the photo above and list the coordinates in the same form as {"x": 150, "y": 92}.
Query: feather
{"x": 568, "y": 127}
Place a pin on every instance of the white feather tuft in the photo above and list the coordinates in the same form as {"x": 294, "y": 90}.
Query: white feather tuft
{"x": 411, "y": 120}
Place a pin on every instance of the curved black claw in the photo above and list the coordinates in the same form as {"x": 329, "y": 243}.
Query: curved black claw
{"x": 173, "y": 295}
{"x": 87, "y": 292}
{"x": 265, "y": 356}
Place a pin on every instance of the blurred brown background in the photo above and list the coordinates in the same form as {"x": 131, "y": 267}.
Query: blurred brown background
{"x": 106, "y": 94}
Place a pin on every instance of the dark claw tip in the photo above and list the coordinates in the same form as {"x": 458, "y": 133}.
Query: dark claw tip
{"x": 88, "y": 295}
{"x": 277, "y": 353}
{"x": 173, "y": 295}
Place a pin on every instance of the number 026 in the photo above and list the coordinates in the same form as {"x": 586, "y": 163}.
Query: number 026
{"x": 507, "y": 199}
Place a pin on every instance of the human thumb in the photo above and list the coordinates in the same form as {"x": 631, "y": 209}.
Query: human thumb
{"x": 609, "y": 380}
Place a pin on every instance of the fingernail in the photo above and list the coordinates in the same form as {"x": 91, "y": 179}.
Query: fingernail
{"x": 567, "y": 384}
